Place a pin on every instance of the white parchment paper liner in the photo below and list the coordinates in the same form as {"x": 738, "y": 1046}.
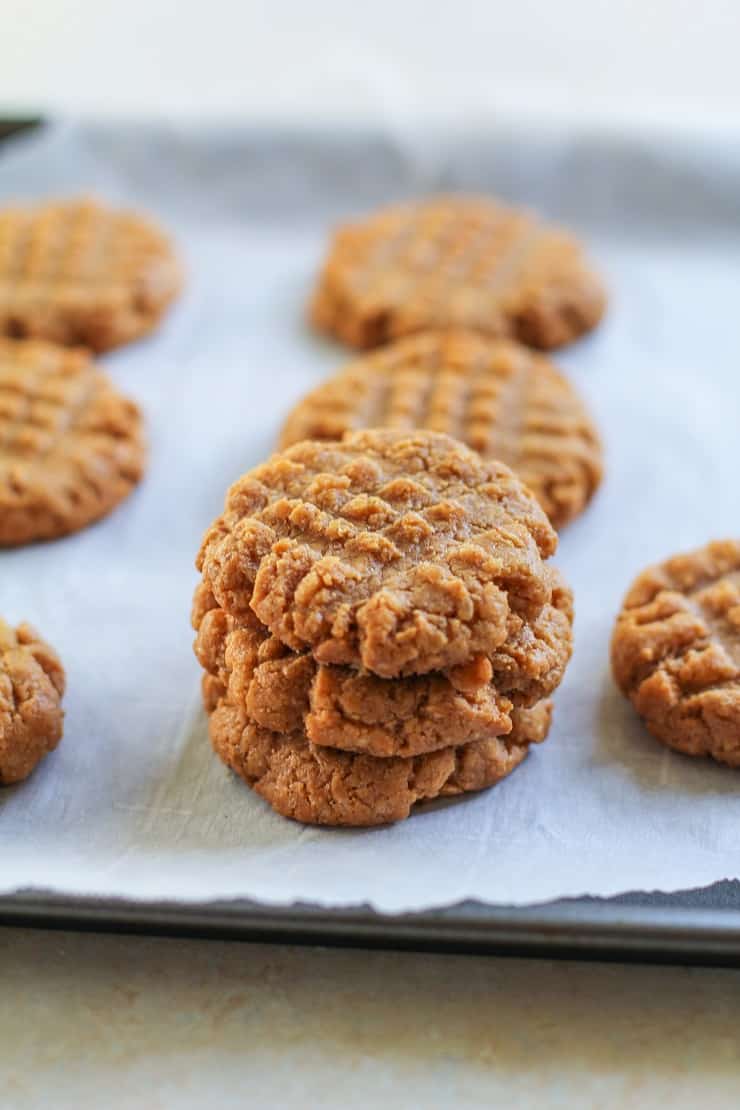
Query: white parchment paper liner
{"x": 134, "y": 804}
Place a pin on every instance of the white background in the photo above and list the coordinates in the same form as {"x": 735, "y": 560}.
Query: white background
{"x": 609, "y": 60}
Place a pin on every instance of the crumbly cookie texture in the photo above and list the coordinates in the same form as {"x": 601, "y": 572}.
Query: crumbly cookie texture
{"x": 456, "y": 261}
{"x": 31, "y": 688}
{"x": 676, "y": 651}
{"x": 321, "y": 786}
{"x": 71, "y": 446}
{"x": 498, "y": 397}
{"x": 286, "y": 691}
{"x": 397, "y": 552}
{"x": 77, "y": 273}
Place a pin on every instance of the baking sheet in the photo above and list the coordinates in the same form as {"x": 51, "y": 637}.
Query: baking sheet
{"x": 133, "y": 804}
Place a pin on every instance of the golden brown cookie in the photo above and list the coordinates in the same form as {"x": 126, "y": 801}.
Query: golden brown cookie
{"x": 401, "y": 553}
{"x": 676, "y": 651}
{"x": 498, "y": 397}
{"x": 31, "y": 688}
{"x": 337, "y": 706}
{"x": 71, "y": 446}
{"x": 456, "y": 261}
{"x": 78, "y": 273}
{"x": 321, "y": 786}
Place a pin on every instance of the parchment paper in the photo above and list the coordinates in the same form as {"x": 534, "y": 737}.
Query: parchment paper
{"x": 133, "y": 803}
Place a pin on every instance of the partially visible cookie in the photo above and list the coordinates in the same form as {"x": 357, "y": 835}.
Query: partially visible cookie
{"x": 456, "y": 261}
{"x": 71, "y": 446}
{"x": 78, "y": 273}
{"x": 337, "y": 706}
{"x": 321, "y": 786}
{"x": 676, "y": 651}
{"x": 31, "y": 688}
{"x": 401, "y": 553}
{"x": 498, "y": 397}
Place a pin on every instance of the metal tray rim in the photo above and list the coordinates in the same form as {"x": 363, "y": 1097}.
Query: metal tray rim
{"x": 617, "y": 929}
{"x": 593, "y": 929}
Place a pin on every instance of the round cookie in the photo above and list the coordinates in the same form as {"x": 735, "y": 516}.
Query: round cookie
{"x": 401, "y": 553}
{"x": 31, "y": 688}
{"x": 676, "y": 651}
{"x": 339, "y": 707}
{"x": 456, "y": 261}
{"x": 78, "y": 273}
{"x": 71, "y": 446}
{"x": 321, "y": 786}
{"x": 498, "y": 397}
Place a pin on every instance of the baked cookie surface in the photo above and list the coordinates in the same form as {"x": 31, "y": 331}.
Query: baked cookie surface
{"x": 400, "y": 553}
{"x": 676, "y": 651}
{"x": 498, "y": 397}
{"x": 456, "y": 261}
{"x": 78, "y": 273}
{"x": 71, "y": 446}
{"x": 31, "y": 687}
{"x": 336, "y": 706}
{"x": 321, "y": 786}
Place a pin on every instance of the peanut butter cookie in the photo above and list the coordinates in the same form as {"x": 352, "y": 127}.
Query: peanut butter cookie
{"x": 77, "y": 273}
{"x": 456, "y": 261}
{"x": 676, "y": 651}
{"x": 400, "y": 553}
{"x": 31, "y": 688}
{"x": 498, "y": 397}
{"x": 320, "y": 786}
{"x": 71, "y": 446}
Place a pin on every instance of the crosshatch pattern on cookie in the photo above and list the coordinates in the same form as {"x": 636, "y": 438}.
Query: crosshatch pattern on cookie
{"x": 676, "y": 651}
{"x": 456, "y": 261}
{"x": 78, "y": 273}
{"x": 71, "y": 446}
{"x": 498, "y": 397}
{"x": 401, "y": 553}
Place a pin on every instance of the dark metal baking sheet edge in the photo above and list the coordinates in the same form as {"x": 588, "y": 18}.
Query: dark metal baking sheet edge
{"x": 633, "y": 927}
{"x": 583, "y": 929}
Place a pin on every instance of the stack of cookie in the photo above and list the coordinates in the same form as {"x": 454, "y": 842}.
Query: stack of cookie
{"x": 378, "y": 625}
